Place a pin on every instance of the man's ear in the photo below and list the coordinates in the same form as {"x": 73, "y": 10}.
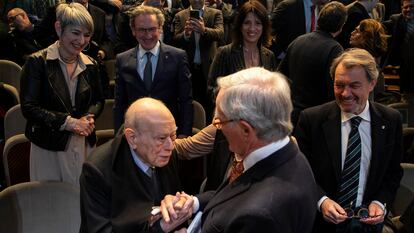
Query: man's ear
{"x": 131, "y": 137}
{"x": 246, "y": 127}
{"x": 58, "y": 28}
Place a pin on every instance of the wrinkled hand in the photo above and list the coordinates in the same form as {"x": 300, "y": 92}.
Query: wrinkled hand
{"x": 175, "y": 207}
{"x": 198, "y": 25}
{"x": 332, "y": 211}
{"x": 182, "y": 230}
{"x": 85, "y": 125}
{"x": 376, "y": 214}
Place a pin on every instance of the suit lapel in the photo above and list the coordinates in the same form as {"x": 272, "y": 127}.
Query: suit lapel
{"x": 135, "y": 79}
{"x": 58, "y": 83}
{"x": 162, "y": 61}
{"x": 256, "y": 173}
{"x": 379, "y": 129}
{"x": 332, "y": 131}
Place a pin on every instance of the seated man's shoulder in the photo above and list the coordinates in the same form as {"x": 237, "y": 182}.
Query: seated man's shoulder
{"x": 102, "y": 156}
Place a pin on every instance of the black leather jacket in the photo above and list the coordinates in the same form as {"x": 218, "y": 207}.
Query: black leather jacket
{"x": 46, "y": 102}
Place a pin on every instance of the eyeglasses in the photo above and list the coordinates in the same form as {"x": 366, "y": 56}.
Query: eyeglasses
{"x": 360, "y": 213}
{"x": 219, "y": 124}
{"x": 12, "y": 18}
{"x": 147, "y": 30}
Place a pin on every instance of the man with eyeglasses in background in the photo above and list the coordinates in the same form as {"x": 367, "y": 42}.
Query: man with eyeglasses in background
{"x": 153, "y": 69}
{"x": 123, "y": 179}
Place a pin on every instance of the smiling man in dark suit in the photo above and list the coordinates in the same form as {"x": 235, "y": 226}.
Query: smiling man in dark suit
{"x": 153, "y": 69}
{"x": 354, "y": 148}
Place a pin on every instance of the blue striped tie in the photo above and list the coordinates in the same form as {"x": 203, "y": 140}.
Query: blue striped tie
{"x": 350, "y": 173}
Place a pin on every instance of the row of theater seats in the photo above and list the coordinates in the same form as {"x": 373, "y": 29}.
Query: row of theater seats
{"x": 36, "y": 207}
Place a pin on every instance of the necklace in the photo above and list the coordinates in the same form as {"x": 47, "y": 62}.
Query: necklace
{"x": 251, "y": 57}
{"x": 67, "y": 60}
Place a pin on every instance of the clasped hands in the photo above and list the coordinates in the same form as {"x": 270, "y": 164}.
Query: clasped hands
{"x": 175, "y": 210}
{"x": 196, "y": 25}
{"x": 85, "y": 125}
{"x": 334, "y": 213}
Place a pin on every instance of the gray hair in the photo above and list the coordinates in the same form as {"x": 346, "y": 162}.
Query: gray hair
{"x": 357, "y": 57}
{"x": 145, "y": 10}
{"x": 74, "y": 14}
{"x": 260, "y": 97}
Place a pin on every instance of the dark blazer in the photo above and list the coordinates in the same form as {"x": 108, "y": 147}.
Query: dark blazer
{"x": 116, "y": 196}
{"x": 307, "y": 64}
{"x": 230, "y": 59}
{"x": 277, "y": 194}
{"x": 46, "y": 102}
{"x": 213, "y": 21}
{"x": 288, "y": 22}
{"x": 171, "y": 85}
{"x": 356, "y": 13}
{"x": 401, "y": 50}
{"x": 318, "y": 134}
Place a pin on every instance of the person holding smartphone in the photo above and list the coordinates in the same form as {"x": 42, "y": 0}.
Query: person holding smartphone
{"x": 197, "y": 30}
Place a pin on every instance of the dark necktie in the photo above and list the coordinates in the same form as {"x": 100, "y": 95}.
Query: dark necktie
{"x": 155, "y": 184}
{"x": 312, "y": 18}
{"x": 350, "y": 173}
{"x": 148, "y": 72}
{"x": 236, "y": 170}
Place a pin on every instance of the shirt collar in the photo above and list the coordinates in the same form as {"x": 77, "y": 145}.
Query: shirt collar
{"x": 345, "y": 116}
{"x": 141, "y": 165}
{"x": 155, "y": 51}
{"x": 263, "y": 152}
{"x": 53, "y": 54}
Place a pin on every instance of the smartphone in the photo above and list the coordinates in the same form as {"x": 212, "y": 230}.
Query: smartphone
{"x": 195, "y": 14}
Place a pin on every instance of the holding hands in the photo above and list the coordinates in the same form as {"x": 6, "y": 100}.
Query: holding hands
{"x": 85, "y": 125}
{"x": 175, "y": 210}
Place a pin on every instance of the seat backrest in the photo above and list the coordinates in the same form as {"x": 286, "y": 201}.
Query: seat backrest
{"x": 40, "y": 207}
{"x": 16, "y": 160}
{"x": 408, "y": 145}
{"x": 14, "y": 122}
{"x": 407, "y": 113}
{"x": 405, "y": 193}
{"x": 10, "y": 73}
{"x": 105, "y": 120}
{"x": 199, "y": 116}
{"x": 9, "y": 97}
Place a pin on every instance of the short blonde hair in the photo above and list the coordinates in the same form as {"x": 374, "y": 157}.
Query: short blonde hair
{"x": 74, "y": 14}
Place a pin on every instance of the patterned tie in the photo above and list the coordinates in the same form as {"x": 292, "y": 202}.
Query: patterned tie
{"x": 350, "y": 173}
{"x": 236, "y": 170}
{"x": 148, "y": 72}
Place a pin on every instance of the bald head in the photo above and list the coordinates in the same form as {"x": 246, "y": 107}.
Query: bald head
{"x": 145, "y": 112}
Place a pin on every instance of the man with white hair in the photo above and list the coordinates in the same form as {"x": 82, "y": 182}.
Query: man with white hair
{"x": 270, "y": 186}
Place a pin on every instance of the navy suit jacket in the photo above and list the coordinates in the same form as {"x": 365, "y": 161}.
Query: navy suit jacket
{"x": 288, "y": 22}
{"x": 277, "y": 194}
{"x": 318, "y": 134}
{"x": 171, "y": 84}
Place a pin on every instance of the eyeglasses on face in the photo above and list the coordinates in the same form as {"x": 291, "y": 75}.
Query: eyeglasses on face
{"x": 150, "y": 30}
{"x": 219, "y": 123}
{"x": 11, "y": 19}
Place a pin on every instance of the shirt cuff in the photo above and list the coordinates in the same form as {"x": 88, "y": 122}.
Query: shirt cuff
{"x": 69, "y": 124}
{"x": 196, "y": 204}
{"x": 320, "y": 202}
{"x": 383, "y": 206}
